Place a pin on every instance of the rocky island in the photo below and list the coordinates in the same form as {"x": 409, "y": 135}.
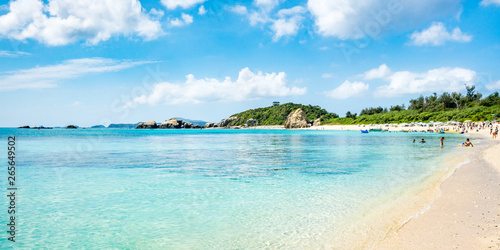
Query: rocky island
{"x": 290, "y": 115}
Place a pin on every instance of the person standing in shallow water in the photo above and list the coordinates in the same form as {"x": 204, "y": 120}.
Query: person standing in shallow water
{"x": 441, "y": 142}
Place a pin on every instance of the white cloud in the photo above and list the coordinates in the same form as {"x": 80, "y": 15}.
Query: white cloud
{"x": 156, "y": 14}
{"x": 490, "y": 2}
{"x": 184, "y": 4}
{"x": 380, "y": 72}
{"x": 258, "y": 17}
{"x": 348, "y": 90}
{"x": 435, "y": 80}
{"x": 5, "y": 53}
{"x": 288, "y": 23}
{"x": 202, "y": 11}
{"x": 239, "y": 9}
{"x": 350, "y": 19}
{"x": 60, "y": 22}
{"x": 48, "y": 76}
{"x": 185, "y": 20}
{"x": 248, "y": 86}
{"x": 437, "y": 35}
{"x": 493, "y": 86}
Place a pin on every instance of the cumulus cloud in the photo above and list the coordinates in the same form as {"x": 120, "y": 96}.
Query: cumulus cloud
{"x": 184, "y": 4}
{"x": 49, "y": 76}
{"x": 285, "y": 22}
{"x": 60, "y": 22}
{"x": 493, "y": 86}
{"x": 348, "y": 90}
{"x": 288, "y": 23}
{"x": 435, "y": 80}
{"x": 5, "y": 53}
{"x": 490, "y": 2}
{"x": 437, "y": 35}
{"x": 202, "y": 11}
{"x": 248, "y": 86}
{"x": 350, "y": 19}
{"x": 380, "y": 72}
{"x": 184, "y": 20}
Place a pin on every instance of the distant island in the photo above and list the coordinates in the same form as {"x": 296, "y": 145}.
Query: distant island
{"x": 122, "y": 125}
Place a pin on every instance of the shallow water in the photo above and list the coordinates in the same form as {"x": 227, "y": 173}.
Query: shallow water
{"x": 199, "y": 189}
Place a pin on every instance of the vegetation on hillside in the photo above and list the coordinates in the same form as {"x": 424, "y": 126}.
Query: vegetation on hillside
{"x": 445, "y": 107}
{"x": 276, "y": 115}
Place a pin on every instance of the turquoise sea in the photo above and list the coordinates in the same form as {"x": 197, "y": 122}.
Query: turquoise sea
{"x": 204, "y": 189}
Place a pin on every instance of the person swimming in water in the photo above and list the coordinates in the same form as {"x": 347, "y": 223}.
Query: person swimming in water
{"x": 422, "y": 141}
{"x": 467, "y": 143}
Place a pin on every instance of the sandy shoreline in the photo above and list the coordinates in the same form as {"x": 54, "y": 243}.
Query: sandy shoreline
{"x": 466, "y": 214}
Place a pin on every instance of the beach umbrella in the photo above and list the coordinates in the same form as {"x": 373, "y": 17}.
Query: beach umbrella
{"x": 467, "y": 121}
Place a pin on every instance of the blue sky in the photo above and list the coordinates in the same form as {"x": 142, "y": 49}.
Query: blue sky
{"x": 109, "y": 61}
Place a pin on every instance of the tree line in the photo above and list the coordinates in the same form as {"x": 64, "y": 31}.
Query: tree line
{"x": 444, "y": 107}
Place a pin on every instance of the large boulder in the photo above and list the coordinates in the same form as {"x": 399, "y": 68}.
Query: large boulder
{"x": 172, "y": 123}
{"x": 147, "y": 125}
{"x": 252, "y": 122}
{"x": 317, "y": 122}
{"x": 297, "y": 119}
{"x": 186, "y": 125}
{"x": 228, "y": 121}
{"x": 210, "y": 125}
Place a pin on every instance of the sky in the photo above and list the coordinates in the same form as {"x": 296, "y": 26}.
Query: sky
{"x": 95, "y": 62}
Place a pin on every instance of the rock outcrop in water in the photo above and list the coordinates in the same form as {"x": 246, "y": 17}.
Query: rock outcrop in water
{"x": 177, "y": 123}
{"x": 228, "y": 122}
{"x": 297, "y": 119}
{"x": 172, "y": 123}
{"x": 147, "y": 125}
{"x": 210, "y": 125}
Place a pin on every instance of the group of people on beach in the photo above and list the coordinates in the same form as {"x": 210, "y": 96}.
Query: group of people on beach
{"x": 467, "y": 142}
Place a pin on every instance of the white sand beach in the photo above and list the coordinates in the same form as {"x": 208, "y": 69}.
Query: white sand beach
{"x": 466, "y": 214}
